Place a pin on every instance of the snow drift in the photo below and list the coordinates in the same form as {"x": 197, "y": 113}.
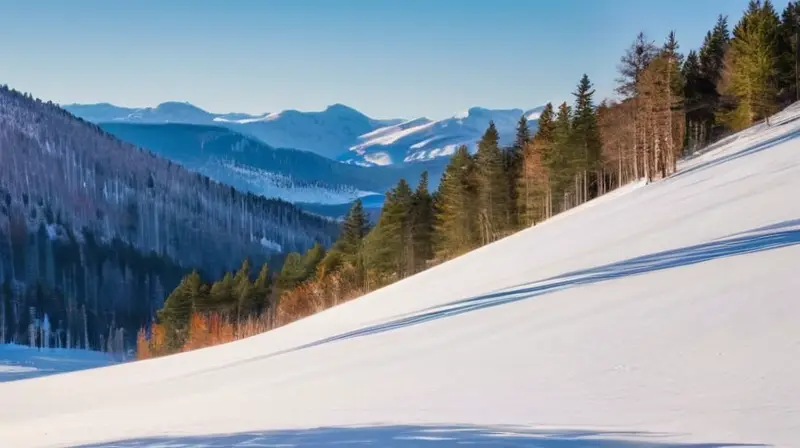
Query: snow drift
{"x": 666, "y": 313}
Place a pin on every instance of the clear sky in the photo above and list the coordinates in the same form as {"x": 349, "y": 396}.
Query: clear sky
{"x": 387, "y": 58}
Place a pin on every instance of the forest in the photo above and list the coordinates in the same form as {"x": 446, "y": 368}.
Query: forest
{"x": 95, "y": 232}
{"x": 669, "y": 105}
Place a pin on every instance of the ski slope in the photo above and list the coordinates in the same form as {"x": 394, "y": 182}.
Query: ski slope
{"x": 665, "y": 314}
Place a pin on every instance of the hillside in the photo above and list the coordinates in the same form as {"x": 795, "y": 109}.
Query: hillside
{"x": 656, "y": 315}
{"x": 94, "y": 231}
{"x": 250, "y": 165}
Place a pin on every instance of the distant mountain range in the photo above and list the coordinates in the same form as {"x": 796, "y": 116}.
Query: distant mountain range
{"x": 338, "y": 133}
{"x": 246, "y": 163}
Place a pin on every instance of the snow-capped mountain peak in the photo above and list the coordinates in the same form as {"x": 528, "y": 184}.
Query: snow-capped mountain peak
{"x": 422, "y": 139}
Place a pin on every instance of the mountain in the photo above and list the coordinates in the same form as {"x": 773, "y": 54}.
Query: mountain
{"x": 339, "y": 132}
{"x": 656, "y": 315}
{"x": 250, "y": 165}
{"x": 422, "y": 139}
{"x": 328, "y": 132}
{"x": 93, "y": 230}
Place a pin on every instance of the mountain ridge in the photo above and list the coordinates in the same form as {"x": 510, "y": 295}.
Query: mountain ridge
{"x": 338, "y": 132}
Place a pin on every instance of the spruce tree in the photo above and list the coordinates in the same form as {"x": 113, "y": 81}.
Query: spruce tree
{"x": 422, "y": 222}
{"x": 388, "y": 246}
{"x": 561, "y": 170}
{"x": 514, "y": 160}
{"x": 262, "y": 290}
{"x": 787, "y": 63}
{"x": 493, "y": 192}
{"x": 178, "y": 308}
{"x": 312, "y": 259}
{"x": 751, "y": 80}
{"x": 292, "y": 273}
{"x": 223, "y": 295}
{"x": 585, "y": 139}
{"x": 243, "y": 291}
{"x": 455, "y": 222}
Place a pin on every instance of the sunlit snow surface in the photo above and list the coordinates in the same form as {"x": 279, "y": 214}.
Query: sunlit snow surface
{"x": 662, "y": 315}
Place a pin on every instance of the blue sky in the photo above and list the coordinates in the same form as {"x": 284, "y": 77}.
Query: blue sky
{"x": 387, "y": 58}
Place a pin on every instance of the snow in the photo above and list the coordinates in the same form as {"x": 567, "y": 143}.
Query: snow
{"x": 422, "y": 139}
{"x": 663, "y": 313}
{"x": 276, "y": 185}
{"x": 19, "y": 361}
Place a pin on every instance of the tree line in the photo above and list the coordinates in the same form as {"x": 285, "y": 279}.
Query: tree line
{"x": 668, "y": 106}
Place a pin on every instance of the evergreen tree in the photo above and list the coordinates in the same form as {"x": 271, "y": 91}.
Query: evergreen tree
{"x": 422, "y": 231}
{"x": 390, "y": 242}
{"x": 514, "y": 160}
{"x": 493, "y": 194}
{"x": 558, "y": 158}
{"x": 585, "y": 139}
{"x": 178, "y": 308}
{"x": 262, "y": 290}
{"x": 312, "y": 259}
{"x": 787, "y": 63}
{"x": 243, "y": 291}
{"x": 223, "y": 295}
{"x": 750, "y": 78}
{"x": 292, "y": 273}
{"x": 712, "y": 52}
{"x": 455, "y": 224}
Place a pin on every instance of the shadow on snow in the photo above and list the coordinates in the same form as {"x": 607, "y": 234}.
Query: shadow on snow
{"x": 416, "y": 436}
{"x": 780, "y": 235}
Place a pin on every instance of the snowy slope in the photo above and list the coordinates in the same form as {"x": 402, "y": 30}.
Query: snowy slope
{"x": 422, "y": 139}
{"x": 665, "y": 313}
{"x": 19, "y": 362}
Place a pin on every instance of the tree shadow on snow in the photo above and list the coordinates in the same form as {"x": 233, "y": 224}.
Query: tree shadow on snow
{"x": 780, "y": 235}
{"x": 762, "y": 146}
{"x": 416, "y": 436}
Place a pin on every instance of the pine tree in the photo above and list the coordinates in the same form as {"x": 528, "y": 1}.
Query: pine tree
{"x": 178, "y": 308}
{"x": 787, "y": 63}
{"x": 560, "y": 169}
{"x": 514, "y": 161}
{"x": 262, "y": 289}
{"x": 493, "y": 194}
{"x": 750, "y": 78}
{"x": 585, "y": 138}
{"x": 312, "y": 259}
{"x": 388, "y": 246}
{"x": 223, "y": 295}
{"x": 456, "y": 230}
{"x": 422, "y": 222}
{"x": 243, "y": 291}
{"x": 292, "y": 273}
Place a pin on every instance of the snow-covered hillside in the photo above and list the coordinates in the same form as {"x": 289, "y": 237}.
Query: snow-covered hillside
{"x": 661, "y": 313}
{"x": 422, "y": 139}
{"x": 338, "y": 132}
